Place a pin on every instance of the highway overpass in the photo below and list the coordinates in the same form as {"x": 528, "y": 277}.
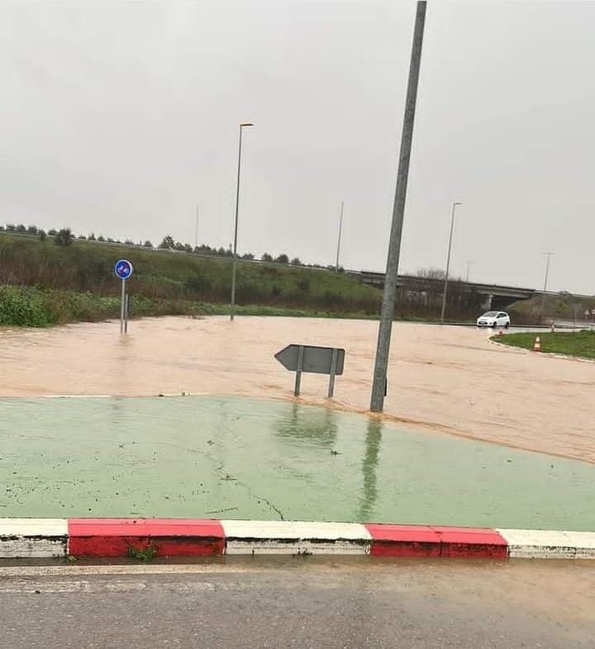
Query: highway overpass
{"x": 495, "y": 296}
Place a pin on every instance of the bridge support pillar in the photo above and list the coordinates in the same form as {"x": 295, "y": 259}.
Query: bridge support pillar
{"x": 487, "y": 305}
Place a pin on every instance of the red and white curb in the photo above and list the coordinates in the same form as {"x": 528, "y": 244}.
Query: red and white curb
{"x": 22, "y": 538}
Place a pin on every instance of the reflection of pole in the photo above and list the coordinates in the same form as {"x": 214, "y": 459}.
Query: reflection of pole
{"x": 122, "y": 306}
{"x": 339, "y": 239}
{"x": 394, "y": 247}
{"x": 369, "y": 468}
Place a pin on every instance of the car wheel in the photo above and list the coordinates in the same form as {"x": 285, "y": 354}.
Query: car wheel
{"x": 507, "y": 325}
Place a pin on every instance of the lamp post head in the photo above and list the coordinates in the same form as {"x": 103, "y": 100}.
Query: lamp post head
{"x": 246, "y": 124}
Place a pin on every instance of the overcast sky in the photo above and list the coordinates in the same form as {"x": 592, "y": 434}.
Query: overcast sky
{"x": 122, "y": 118}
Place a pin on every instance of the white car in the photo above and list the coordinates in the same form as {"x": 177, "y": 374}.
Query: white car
{"x": 494, "y": 319}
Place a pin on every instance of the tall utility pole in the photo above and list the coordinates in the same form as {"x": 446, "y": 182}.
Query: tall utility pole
{"x": 547, "y": 272}
{"x": 467, "y": 274}
{"x": 379, "y": 385}
{"x": 196, "y": 229}
{"x": 339, "y": 239}
{"x": 235, "y": 229}
{"x": 452, "y": 224}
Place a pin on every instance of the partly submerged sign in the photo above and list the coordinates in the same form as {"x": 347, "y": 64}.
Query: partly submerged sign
{"x": 316, "y": 360}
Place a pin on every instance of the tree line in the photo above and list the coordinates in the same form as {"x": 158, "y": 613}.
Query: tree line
{"x": 65, "y": 237}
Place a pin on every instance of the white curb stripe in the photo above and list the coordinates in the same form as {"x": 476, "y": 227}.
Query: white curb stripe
{"x": 34, "y": 538}
{"x": 289, "y": 537}
{"x": 543, "y": 544}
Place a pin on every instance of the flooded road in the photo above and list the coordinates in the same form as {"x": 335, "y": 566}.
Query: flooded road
{"x": 450, "y": 379}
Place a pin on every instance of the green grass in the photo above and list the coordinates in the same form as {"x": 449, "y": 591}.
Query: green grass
{"x": 562, "y": 306}
{"x": 33, "y": 307}
{"x": 580, "y": 344}
{"x": 87, "y": 268}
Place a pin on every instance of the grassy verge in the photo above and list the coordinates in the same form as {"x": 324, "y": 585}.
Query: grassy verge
{"x": 32, "y": 307}
{"x": 580, "y": 344}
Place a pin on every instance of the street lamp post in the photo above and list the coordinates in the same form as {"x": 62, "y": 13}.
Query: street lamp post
{"x": 452, "y": 224}
{"x": 547, "y": 272}
{"x": 339, "y": 238}
{"x": 235, "y": 229}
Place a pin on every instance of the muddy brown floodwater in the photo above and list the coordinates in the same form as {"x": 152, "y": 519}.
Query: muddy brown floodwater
{"x": 450, "y": 379}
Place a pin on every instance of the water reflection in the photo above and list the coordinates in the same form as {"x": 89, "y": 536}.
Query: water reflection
{"x": 369, "y": 470}
{"x": 316, "y": 425}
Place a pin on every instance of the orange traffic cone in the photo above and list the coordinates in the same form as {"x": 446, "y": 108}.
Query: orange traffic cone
{"x": 537, "y": 345}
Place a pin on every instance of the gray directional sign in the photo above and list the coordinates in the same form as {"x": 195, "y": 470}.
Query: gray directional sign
{"x": 317, "y": 360}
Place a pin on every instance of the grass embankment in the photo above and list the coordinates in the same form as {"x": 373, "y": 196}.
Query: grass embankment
{"x": 563, "y": 306}
{"x": 580, "y": 344}
{"x": 43, "y": 284}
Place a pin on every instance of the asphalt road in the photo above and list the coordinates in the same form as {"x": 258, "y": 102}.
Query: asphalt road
{"x": 301, "y": 603}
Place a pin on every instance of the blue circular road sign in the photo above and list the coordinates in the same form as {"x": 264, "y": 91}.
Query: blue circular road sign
{"x": 123, "y": 269}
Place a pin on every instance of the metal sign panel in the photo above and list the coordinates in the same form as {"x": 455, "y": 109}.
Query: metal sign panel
{"x": 123, "y": 269}
{"x": 316, "y": 360}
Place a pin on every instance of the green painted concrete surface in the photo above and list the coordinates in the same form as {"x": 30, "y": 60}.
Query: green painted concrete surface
{"x": 245, "y": 458}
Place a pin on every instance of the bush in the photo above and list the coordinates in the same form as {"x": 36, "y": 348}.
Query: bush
{"x": 21, "y": 307}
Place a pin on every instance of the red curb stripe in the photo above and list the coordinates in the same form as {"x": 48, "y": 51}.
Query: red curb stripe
{"x": 403, "y": 541}
{"x": 470, "y": 542}
{"x": 429, "y": 541}
{"x": 114, "y": 537}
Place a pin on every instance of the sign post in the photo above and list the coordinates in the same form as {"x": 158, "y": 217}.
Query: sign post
{"x": 317, "y": 360}
{"x": 333, "y": 372}
{"x": 123, "y": 270}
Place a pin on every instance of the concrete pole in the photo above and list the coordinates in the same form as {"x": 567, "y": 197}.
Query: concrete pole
{"x": 452, "y": 224}
{"x": 379, "y": 384}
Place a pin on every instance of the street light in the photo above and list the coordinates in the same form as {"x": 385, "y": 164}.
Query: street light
{"x": 547, "y": 272}
{"x": 235, "y": 230}
{"x": 452, "y": 224}
{"x": 339, "y": 239}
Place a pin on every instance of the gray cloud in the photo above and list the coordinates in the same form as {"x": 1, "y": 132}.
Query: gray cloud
{"x": 120, "y": 117}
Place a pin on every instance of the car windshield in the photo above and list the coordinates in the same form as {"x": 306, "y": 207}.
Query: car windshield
{"x": 490, "y": 314}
